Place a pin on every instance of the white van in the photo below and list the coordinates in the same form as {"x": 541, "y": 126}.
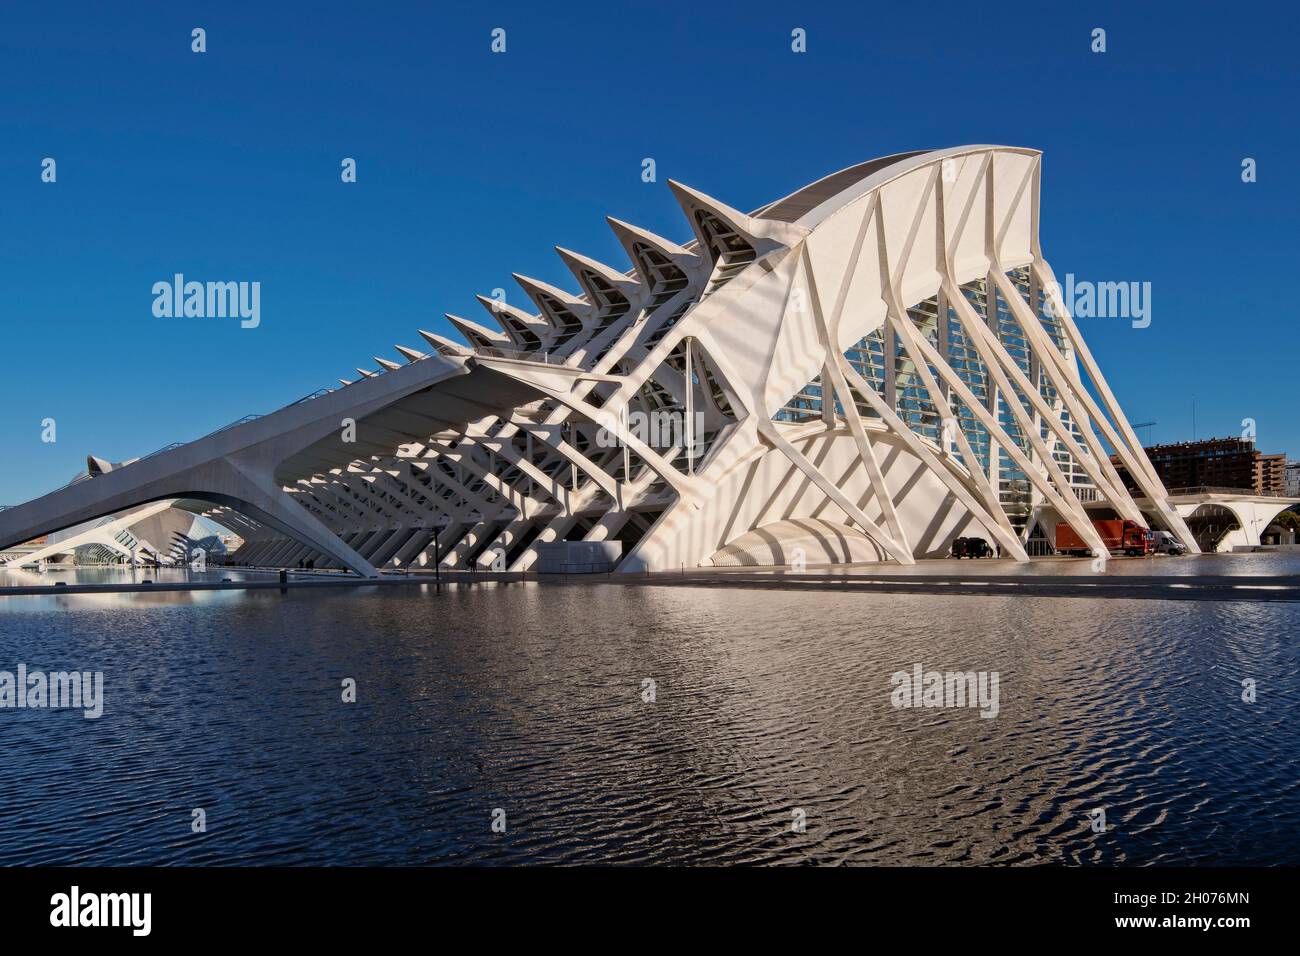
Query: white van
{"x": 1166, "y": 543}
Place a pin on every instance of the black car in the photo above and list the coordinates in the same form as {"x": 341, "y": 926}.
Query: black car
{"x": 971, "y": 548}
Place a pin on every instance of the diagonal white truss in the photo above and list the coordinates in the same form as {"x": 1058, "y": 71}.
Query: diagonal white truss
{"x": 869, "y": 361}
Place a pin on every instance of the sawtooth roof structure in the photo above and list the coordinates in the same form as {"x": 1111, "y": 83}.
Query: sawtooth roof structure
{"x": 863, "y": 370}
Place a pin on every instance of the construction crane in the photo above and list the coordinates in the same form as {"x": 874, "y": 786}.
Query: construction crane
{"x": 1146, "y": 425}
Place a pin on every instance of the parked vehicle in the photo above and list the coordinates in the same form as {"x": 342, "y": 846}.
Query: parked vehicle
{"x": 971, "y": 548}
{"x": 1166, "y": 543}
{"x": 1119, "y": 537}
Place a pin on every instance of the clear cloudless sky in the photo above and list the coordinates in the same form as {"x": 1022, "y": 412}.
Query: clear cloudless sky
{"x": 472, "y": 165}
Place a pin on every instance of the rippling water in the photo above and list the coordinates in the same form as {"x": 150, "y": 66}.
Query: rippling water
{"x": 529, "y": 698}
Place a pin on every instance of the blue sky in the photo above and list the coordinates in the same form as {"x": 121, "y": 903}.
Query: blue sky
{"x": 225, "y": 166}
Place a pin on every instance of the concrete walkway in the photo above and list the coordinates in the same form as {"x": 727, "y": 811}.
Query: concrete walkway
{"x": 966, "y": 582}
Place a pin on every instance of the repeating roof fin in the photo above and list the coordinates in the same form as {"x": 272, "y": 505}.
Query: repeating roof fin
{"x": 536, "y": 286}
{"x": 719, "y": 229}
{"x": 729, "y": 235}
{"x": 625, "y": 231}
{"x": 386, "y": 364}
{"x": 500, "y": 309}
{"x": 411, "y": 355}
{"x": 611, "y": 293}
{"x": 566, "y": 313}
{"x": 442, "y": 345}
{"x": 523, "y": 328}
{"x": 659, "y": 261}
{"x": 477, "y": 335}
{"x": 595, "y": 276}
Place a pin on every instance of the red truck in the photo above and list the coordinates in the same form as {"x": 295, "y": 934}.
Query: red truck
{"x": 1126, "y": 536}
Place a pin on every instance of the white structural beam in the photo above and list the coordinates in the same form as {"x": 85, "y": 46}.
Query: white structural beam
{"x": 839, "y": 357}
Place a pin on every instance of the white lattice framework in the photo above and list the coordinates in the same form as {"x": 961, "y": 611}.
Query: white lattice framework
{"x": 750, "y": 313}
{"x": 863, "y": 370}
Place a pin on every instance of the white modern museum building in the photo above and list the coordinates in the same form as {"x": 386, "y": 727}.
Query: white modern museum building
{"x": 863, "y": 370}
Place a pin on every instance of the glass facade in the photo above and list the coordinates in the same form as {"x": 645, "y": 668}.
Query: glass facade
{"x": 887, "y": 367}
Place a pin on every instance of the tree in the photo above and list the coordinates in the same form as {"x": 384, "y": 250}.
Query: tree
{"x": 1289, "y": 520}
